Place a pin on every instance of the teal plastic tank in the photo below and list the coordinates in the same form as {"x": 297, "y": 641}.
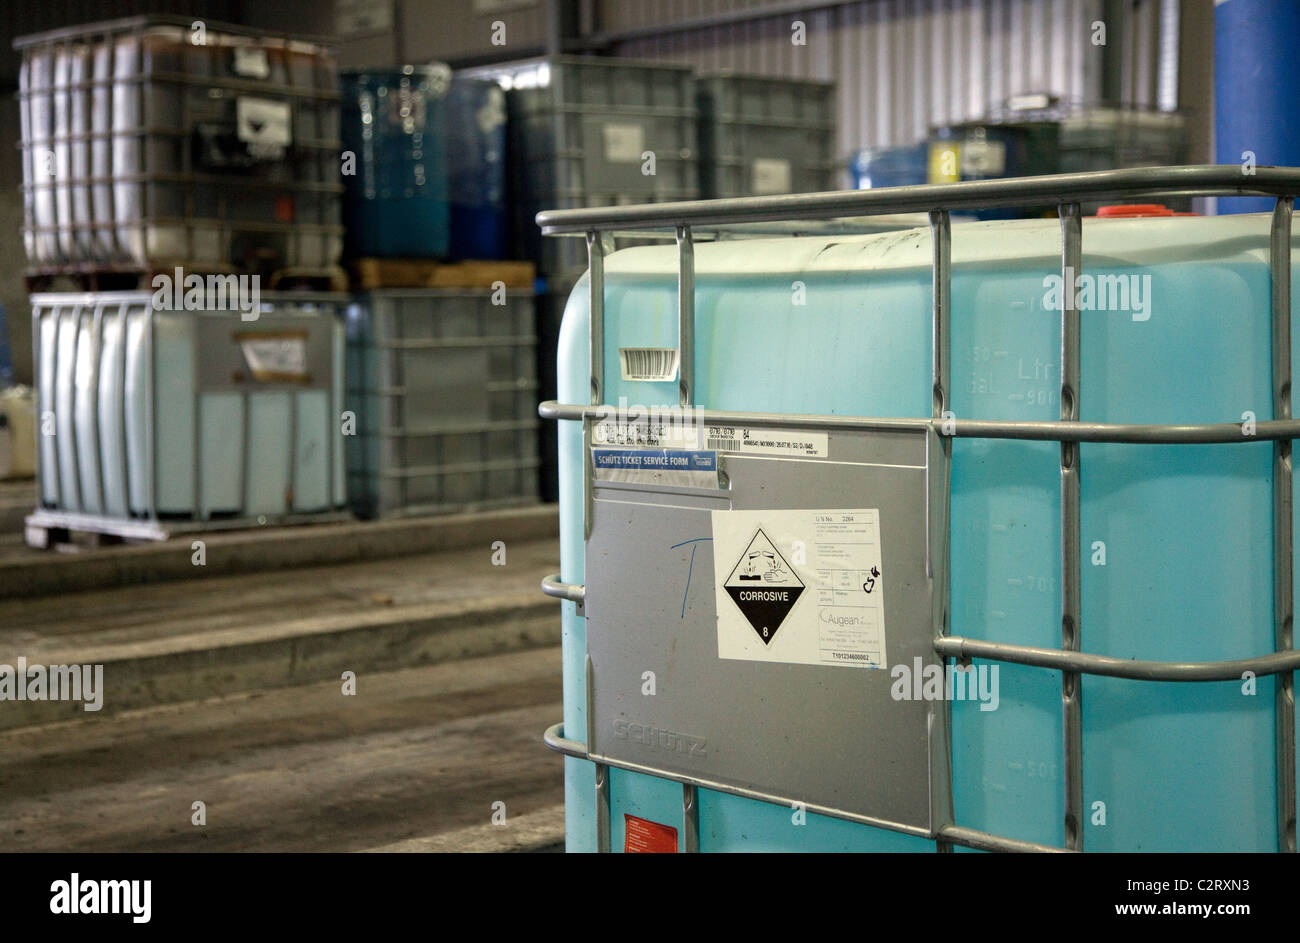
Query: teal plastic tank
{"x": 1176, "y": 540}
{"x": 395, "y": 204}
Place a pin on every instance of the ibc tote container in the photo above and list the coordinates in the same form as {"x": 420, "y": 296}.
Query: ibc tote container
{"x": 579, "y": 130}
{"x": 760, "y": 135}
{"x": 184, "y": 419}
{"x": 147, "y": 143}
{"x": 475, "y": 133}
{"x": 1097, "y": 502}
{"x": 444, "y": 387}
{"x": 395, "y": 205}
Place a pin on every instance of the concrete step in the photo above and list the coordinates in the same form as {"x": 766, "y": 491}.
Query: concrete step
{"x": 413, "y": 755}
{"x": 254, "y": 631}
{"x": 541, "y": 831}
{"x": 25, "y": 572}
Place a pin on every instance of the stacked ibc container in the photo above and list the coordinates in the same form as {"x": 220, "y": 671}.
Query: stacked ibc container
{"x": 440, "y": 334}
{"x": 152, "y": 141}
{"x": 194, "y": 166}
{"x": 443, "y": 386}
{"x": 761, "y": 136}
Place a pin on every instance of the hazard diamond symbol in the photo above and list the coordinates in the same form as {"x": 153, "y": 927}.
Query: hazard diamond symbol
{"x": 763, "y": 586}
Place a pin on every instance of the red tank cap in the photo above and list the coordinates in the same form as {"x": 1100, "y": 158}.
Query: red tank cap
{"x": 1133, "y": 210}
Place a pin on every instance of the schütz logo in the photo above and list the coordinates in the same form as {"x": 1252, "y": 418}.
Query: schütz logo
{"x": 657, "y": 738}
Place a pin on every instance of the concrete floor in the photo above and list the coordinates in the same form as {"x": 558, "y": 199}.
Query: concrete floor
{"x": 415, "y": 753}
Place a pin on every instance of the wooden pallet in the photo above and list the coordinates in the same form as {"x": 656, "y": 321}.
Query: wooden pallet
{"x": 372, "y": 274}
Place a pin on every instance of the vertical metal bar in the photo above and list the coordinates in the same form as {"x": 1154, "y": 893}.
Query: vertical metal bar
{"x": 151, "y": 410}
{"x": 333, "y": 406}
{"x": 293, "y": 452}
{"x": 1071, "y": 611}
{"x": 120, "y": 390}
{"x": 75, "y": 475}
{"x": 1283, "y": 536}
{"x": 41, "y": 497}
{"x": 244, "y": 457}
{"x": 596, "y": 321}
{"x": 196, "y": 399}
{"x": 690, "y": 819}
{"x": 596, "y": 355}
{"x": 602, "y": 771}
{"x": 602, "y": 809}
{"x": 939, "y": 453}
{"x": 685, "y": 315}
{"x": 97, "y": 351}
{"x": 941, "y": 290}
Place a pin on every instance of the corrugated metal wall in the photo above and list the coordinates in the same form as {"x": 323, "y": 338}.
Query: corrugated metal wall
{"x": 904, "y": 65}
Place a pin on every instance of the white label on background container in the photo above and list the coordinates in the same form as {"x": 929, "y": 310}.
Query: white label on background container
{"x": 761, "y": 441}
{"x": 649, "y": 364}
{"x": 264, "y": 125}
{"x": 251, "y": 61}
{"x": 276, "y": 358}
{"x": 770, "y": 176}
{"x": 624, "y": 143}
{"x": 800, "y": 587}
{"x": 983, "y": 158}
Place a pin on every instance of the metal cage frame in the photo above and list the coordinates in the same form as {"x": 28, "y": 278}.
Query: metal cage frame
{"x": 1067, "y": 192}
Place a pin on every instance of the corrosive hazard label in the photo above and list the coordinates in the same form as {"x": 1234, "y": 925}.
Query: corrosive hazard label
{"x": 803, "y": 587}
{"x": 763, "y": 586}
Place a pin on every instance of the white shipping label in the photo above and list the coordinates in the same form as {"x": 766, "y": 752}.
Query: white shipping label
{"x": 760, "y": 441}
{"x": 672, "y": 432}
{"x": 264, "y": 125}
{"x": 624, "y": 143}
{"x": 983, "y": 158}
{"x": 275, "y": 358}
{"x": 251, "y": 61}
{"x": 770, "y": 176}
{"x": 650, "y": 364}
{"x": 800, "y": 587}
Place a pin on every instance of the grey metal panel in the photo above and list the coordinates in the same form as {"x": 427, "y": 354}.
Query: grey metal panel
{"x": 738, "y": 722}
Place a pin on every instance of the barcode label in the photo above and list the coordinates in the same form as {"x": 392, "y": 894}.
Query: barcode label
{"x": 763, "y": 441}
{"x": 650, "y": 364}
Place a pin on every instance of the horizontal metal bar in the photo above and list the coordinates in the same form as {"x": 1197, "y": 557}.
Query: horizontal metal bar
{"x": 984, "y": 841}
{"x": 965, "y": 648}
{"x": 1219, "y": 433}
{"x": 1147, "y": 182}
{"x": 555, "y": 739}
{"x": 573, "y": 592}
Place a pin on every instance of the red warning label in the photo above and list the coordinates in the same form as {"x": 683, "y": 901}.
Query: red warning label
{"x": 648, "y": 837}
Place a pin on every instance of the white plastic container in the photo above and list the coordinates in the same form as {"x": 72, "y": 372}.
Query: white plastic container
{"x": 189, "y": 415}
